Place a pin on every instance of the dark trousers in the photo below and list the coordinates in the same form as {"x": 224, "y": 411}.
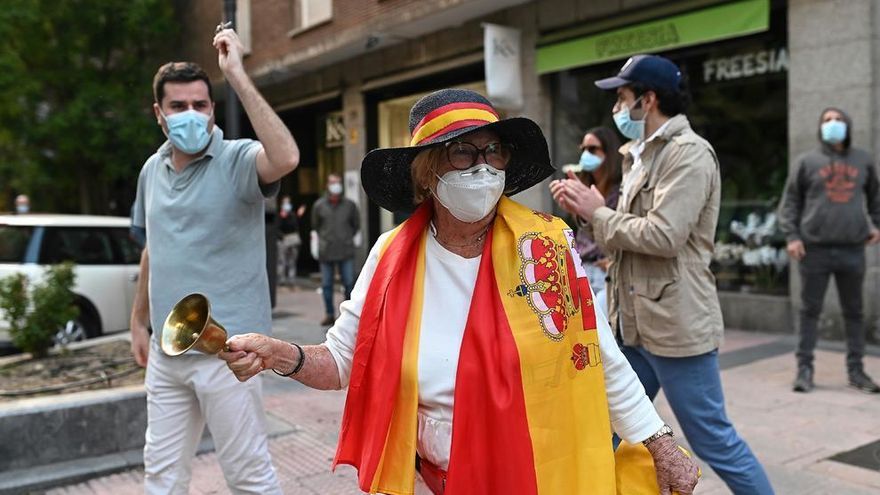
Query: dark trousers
{"x": 847, "y": 264}
{"x": 346, "y": 273}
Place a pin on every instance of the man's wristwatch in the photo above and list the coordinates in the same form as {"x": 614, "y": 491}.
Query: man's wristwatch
{"x": 662, "y": 432}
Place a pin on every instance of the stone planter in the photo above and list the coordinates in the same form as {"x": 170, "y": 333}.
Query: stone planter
{"x": 759, "y": 312}
{"x": 43, "y": 438}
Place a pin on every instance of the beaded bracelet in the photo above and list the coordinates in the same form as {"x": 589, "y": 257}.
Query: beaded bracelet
{"x": 302, "y": 361}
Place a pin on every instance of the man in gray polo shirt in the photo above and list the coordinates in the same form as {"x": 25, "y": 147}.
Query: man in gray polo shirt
{"x": 200, "y": 199}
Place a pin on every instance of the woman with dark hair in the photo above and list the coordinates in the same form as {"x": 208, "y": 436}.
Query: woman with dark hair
{"x": 599, "y": 166}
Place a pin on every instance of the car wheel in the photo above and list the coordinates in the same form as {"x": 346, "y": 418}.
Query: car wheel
{"x": 77, "y": 329}
{"x": 72, "y": 331}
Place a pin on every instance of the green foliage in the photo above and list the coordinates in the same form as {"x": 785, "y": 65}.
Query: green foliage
{"x": 34, "y": 318}
{"x": 75, "y": 98}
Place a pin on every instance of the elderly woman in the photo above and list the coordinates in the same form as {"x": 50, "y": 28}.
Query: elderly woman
{"x": 470, "y": 346}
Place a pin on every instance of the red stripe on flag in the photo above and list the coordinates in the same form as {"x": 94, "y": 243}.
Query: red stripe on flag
{"x": 454, "y": 126}
{"x": 491, "y": 444}
{"x": 375, "y": 374}
{"x": 452, "y": 106}
{"x": 587, "y": 303}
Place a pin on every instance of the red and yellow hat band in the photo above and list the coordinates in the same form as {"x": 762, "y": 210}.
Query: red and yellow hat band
{"x": 452, "y": 117}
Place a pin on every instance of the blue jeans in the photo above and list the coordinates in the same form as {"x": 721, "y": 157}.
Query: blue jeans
{"x": 346, "y": 273}
{"x": 693, "y": 388}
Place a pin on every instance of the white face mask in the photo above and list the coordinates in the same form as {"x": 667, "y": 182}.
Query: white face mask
{"x": 335, "y": 189}
{"x": 470, "y": 194}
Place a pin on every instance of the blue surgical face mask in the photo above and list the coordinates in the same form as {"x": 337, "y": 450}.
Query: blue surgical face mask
{"x": 633, "y": 129}
{"x": 589, "y": 162}
{"x": 188, "y": 131}
{"x": 833, "y": 131}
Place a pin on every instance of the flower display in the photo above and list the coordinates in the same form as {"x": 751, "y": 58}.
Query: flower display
{"x": 754, "y": 257}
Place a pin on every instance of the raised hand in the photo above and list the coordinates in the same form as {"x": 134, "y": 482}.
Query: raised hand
{"x": 575, "y": 197}
{"x": 229, "y": 52}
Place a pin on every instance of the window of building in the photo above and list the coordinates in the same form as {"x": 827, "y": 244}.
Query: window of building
{"x": 306, "y": 14}
{"x": 739, "y": 104}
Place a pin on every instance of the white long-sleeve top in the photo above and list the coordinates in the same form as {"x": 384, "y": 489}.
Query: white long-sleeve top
{"x": 449, "y": 286}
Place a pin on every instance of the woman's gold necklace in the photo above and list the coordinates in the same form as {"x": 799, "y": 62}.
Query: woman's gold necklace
{"x": 477, "y": 240}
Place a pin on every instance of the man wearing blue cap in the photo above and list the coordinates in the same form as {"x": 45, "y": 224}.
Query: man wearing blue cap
{"x": 662, "y": 301}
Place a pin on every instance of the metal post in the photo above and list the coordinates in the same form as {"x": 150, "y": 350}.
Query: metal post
{"x": 232, "y": 129}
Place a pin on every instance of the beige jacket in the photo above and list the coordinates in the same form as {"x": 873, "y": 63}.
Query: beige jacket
{"x": 661, "y": 238}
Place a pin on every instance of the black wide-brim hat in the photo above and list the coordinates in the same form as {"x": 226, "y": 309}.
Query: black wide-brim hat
{"x": 441, "y": 117}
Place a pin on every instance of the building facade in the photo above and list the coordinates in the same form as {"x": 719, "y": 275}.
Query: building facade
{"x": 342, "y": 74}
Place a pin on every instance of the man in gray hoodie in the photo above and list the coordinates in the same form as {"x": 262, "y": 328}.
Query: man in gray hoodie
{"x": 822, "y": 214}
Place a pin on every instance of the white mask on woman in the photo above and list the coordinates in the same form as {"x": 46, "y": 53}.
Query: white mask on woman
{"x": 470, "y": 194}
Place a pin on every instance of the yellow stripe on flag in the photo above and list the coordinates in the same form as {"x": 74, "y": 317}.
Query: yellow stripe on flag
{"x": 401, "y": 441}
{"x": 450, "y": 117}
{"x": 566, "y": 408}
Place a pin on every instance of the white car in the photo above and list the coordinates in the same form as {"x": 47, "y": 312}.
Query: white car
{"x": 106, "y": 259}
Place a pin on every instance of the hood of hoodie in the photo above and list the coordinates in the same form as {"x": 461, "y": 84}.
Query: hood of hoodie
{"x": 847, "y": 140}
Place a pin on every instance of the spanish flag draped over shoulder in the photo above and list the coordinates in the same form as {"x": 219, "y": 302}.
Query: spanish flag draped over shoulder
{"x": 530, "y": 413}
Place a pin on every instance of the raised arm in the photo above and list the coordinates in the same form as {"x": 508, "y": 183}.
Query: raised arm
{"x": 679, "y": 199}
{"x": 280, "y": 154}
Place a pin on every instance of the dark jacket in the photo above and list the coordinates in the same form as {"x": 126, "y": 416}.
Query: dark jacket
{"x": 289, "y": 223}
{"x": 336, "y": 224}
{"x": 826, "y": 195}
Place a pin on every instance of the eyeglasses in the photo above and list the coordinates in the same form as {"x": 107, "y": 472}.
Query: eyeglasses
{"x": 463, "y": 155}
{"x": 592, "y": 148}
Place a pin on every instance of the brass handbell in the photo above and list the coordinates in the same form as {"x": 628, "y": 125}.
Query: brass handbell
{"x": 190, "y": 326}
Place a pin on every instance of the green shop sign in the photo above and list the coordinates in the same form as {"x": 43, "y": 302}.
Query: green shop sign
{"x": 702, "y": 26}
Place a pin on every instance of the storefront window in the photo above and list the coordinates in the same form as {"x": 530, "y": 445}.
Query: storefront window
{"x": 740, "y": 105}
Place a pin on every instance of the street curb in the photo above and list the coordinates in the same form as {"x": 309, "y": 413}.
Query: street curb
{"x": 26, "y": 480}
{"x": 783, "y": 344}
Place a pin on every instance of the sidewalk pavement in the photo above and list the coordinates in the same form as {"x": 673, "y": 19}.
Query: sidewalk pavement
{"x": 824, "y": 442}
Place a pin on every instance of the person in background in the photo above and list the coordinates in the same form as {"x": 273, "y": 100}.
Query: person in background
{"x": 663, "y": 303}
{"x": 201, "y": 199}
{"x": 22, "y": 204}
{"x": 823, "y": 216}
{"x": 290, "y": 242}
{"x": 336, "y": 221}
{"x": 599, "y": 166}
